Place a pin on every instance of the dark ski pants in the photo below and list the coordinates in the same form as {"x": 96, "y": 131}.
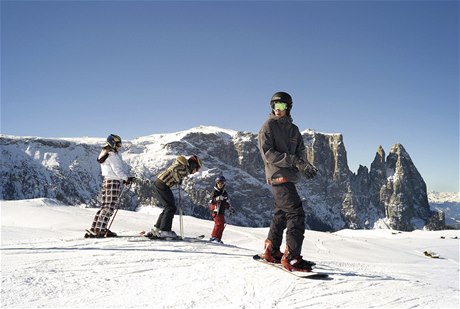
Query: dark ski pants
{"x": 164, "y": 222}
{"x": 109, "y": 201}
{"x": 288, "y": 214}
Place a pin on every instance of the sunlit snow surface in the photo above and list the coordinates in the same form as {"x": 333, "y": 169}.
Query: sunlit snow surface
{"x": 46, "y": 262}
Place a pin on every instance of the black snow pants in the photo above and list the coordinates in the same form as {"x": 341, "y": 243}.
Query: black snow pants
{"x": 164, "y": 222}
{"x": 288, "y": 214}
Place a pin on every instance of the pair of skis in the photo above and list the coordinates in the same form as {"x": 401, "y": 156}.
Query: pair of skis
{"x": 151, "y": 236}
{"x": 148, "y": 236}
{"x": 298, "y": 274}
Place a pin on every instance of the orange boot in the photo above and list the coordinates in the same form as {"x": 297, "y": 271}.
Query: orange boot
{"x": 296, "y": 263}
{"x": 270, "y": 255}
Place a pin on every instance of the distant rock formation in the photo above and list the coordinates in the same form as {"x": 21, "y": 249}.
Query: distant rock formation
{"x": 391, "y": 195}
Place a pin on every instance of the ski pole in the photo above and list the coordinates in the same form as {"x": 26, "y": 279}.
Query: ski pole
{"x": 181, "y": 219}
{"x": 125, "y": 189}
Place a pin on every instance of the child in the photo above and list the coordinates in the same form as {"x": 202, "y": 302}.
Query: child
{"x": 172, "y": 176}
{"x": 114, "y": 174}
{"x": 219, "y": 202}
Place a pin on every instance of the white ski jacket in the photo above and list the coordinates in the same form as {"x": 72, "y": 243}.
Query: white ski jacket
{"x": 112, "y": 168}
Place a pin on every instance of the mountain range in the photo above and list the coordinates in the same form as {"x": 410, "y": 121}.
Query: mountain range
{"x": 391, "y": 194}
{"x": 449, "y": 204}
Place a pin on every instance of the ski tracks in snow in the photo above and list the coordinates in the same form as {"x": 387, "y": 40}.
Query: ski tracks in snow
{"x": 170, "y": 274}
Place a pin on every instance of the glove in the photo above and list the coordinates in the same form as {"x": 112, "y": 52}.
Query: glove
{"x": 219, "y": 198}
{"x": 308, "y": 170}
{"x": 130, "y": 180}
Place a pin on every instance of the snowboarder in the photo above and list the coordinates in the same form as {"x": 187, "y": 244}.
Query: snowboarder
{"x": 218, "y": 204}
{"x": 173, "y": 175}
{"x": 114, "y": 175}
{"x": 283, "y": 152}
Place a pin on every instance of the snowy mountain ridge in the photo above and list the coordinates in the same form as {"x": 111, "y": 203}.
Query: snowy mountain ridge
{"x": 391, "y": 194}
{"x": 443, "y": 197}
{"x": 449, "y": 204}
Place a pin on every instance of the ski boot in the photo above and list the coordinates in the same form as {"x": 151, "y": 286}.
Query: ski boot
{"x": 101, "y": 234}
{"x": 296, "y": 263}
{"x": 152, "y": 234}
{"x": 216, "y": 240}
{"x": 89, "y": 235}
{"x": 109, "y": 233}
{"x": 271, "y": 255}
{"x": 167, "y": 235}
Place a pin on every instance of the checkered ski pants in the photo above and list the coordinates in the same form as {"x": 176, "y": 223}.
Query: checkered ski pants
{"x": 109, "y": 199}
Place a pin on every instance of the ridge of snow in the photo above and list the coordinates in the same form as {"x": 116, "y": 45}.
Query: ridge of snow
{"x": 166, "y": 136}
{"x": 312, "y": 132}
{"x": 443, "y": 197}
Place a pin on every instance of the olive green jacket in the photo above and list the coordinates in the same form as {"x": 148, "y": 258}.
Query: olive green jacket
{"x": 174, "y": 174}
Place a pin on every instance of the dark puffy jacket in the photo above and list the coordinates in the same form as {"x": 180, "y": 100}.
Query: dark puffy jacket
{"x": 280, "y": 142}
{"x": 224, "y": 204}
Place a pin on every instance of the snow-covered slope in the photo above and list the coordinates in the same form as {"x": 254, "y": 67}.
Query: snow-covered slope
{"x": 47, "y": 263}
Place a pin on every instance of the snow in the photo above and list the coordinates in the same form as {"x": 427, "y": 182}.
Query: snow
{"x": 171, "y": 137}
{"x": 443, "y": 197}
{"x": 46, "y": 262}
{"x": 310, "y": 131}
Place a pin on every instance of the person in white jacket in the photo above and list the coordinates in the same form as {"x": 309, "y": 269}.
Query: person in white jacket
{"x": 114, "y": 175}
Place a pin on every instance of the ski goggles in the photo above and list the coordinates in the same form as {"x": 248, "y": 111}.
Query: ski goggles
{"x": 280, "y": 106}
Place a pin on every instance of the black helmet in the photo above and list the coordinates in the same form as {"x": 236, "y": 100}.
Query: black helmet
{"x": 113, "y": 141}
{"x": 281, "y": 97}
{"x": 194, "y": 162}
{"x": 221, "y": 178}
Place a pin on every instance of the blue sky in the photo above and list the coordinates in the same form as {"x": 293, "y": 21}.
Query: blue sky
{"x": 379, "y": 72}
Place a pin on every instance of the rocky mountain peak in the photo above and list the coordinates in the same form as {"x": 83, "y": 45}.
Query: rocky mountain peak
{"x": 380, "y": 156}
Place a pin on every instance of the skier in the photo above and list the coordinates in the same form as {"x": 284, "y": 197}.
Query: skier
{"x": 170, "y": 177}
{"x": 283, "y": 152}
{"x": 114, "y": 174}
{"x": 218, "y": 204}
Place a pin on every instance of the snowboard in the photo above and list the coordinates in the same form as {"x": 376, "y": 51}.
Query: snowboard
{"x": 298, "y": 274}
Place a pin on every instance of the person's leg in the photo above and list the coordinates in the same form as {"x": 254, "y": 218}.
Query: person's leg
{"x": 109, "y": 199}
{"x": 164, "y": 222}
